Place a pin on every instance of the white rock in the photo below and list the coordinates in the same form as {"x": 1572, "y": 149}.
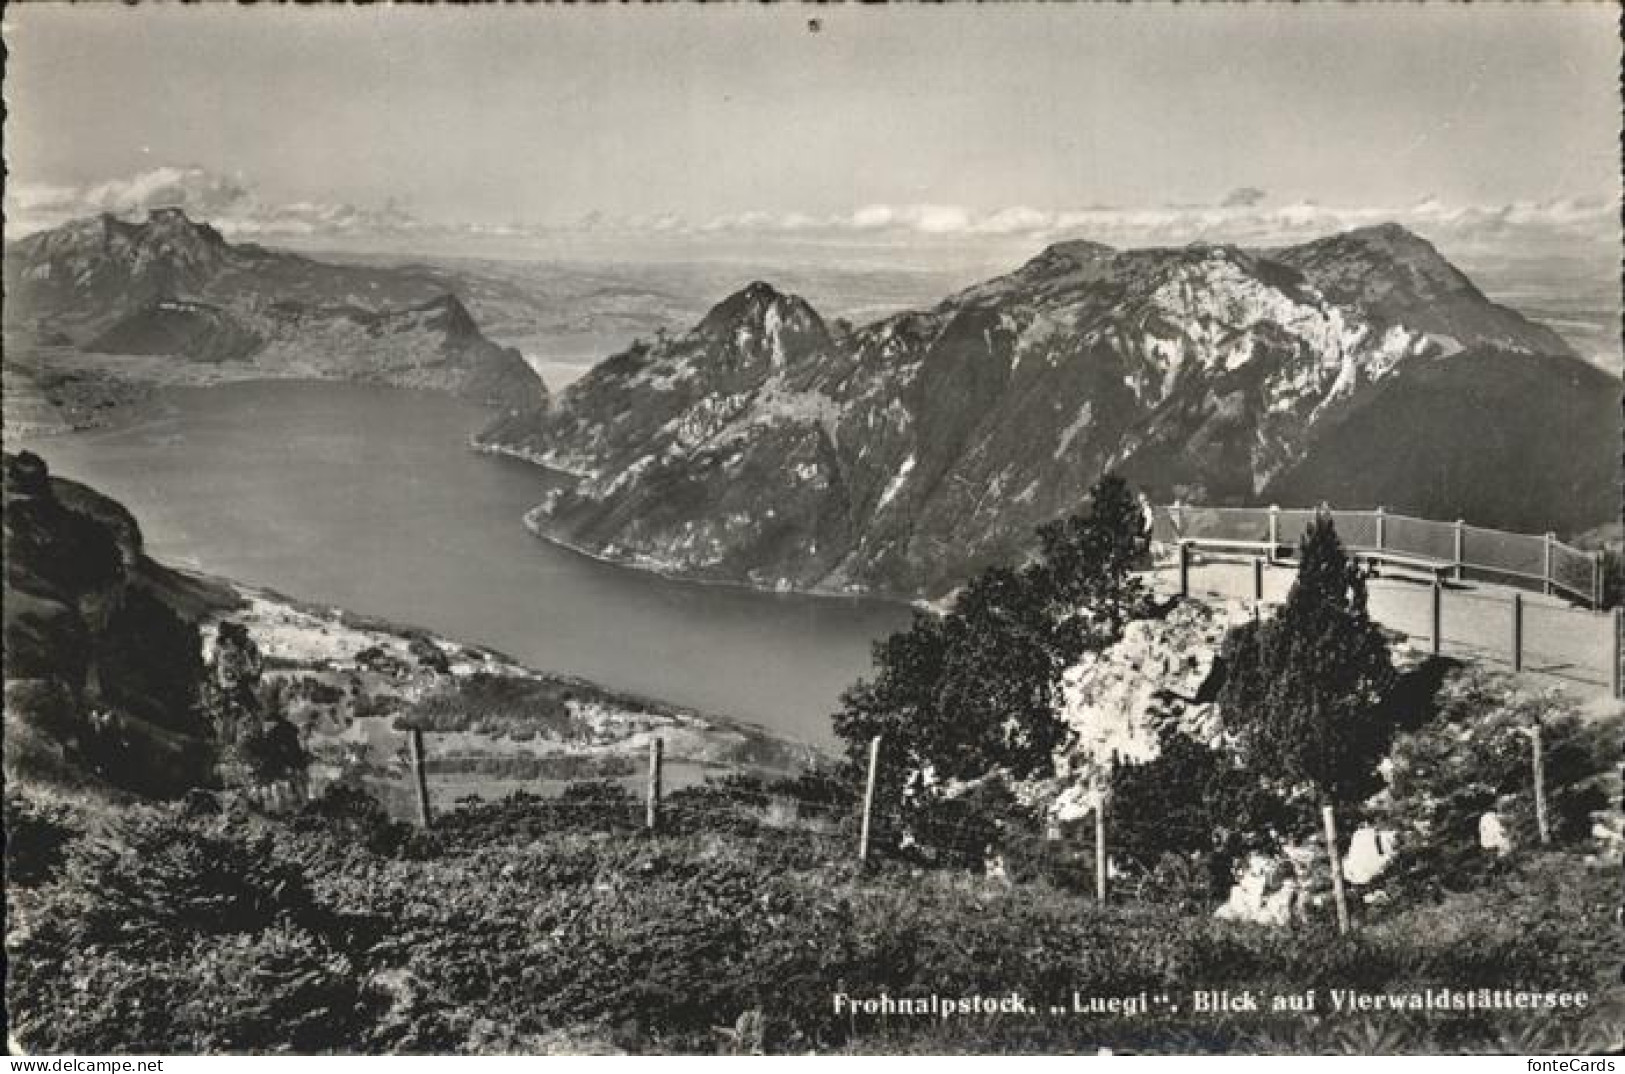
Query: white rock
{"x": 1493, "y": 834}
{"x": 1370, "y": 852}
{"x": 1265, "y": 893}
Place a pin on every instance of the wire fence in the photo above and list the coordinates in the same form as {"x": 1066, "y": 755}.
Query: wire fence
{"x": 1540, "y": 563}
{"x": 831, "y": 815}
{"x": 828, "y": 818}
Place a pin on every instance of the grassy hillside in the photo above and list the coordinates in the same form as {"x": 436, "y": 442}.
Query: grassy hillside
{"x": 534, "y": 926}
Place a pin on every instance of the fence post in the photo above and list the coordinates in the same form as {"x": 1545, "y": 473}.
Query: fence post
{"x": 1546, "y": 570}
{"x": 1517, "y": 632}
{"x": 1618, "y": 670}
{"x": 1328, "y": 818}
{"x": 1275, "y": 531}
{"x": 420, "y": 779}
{"x": 1461, "y": 545}
{"x": 869, "y": 799}
{"x": 1381, "y": 516}
{"x": 1596, "y": 579}
{"x": 1538, "y": 759}
{"x": 1100, "y": 849}
{"x": 651, "y": 814}
{"x": 1438, "y": 617}
{"x": 1184, "y": 569}
{"x": 1258, "y": 580}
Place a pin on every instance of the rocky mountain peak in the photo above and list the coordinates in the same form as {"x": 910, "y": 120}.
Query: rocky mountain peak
{"x": 761, "y": 320}
{"x": 450, "y": 315}
{"x": 1398, "y": 277}
{"x": 1076, "y": 251}
{"x": 1369, "y": 263}
{"x": 171, "y": 222}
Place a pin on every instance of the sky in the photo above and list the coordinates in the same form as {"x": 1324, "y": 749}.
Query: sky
{"x": 904, "y": 131}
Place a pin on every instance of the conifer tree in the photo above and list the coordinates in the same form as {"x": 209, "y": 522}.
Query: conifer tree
{"x": 1304, "y": 689}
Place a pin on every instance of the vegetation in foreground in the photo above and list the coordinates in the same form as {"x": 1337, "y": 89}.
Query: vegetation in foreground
{"x": 542, "y": 925}
{"x": 562, "y": 925}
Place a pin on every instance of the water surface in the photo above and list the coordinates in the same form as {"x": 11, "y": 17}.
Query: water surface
{"x": 367, "y": 498}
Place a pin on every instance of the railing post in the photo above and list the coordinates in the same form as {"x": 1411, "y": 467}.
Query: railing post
{"x": 1618, "y": 670}
{"x": 1517, "y": 632}
{"x": 1596, "y": 579}
{"x": 1275, "y": 531}
{"x": 1438, "y": 617}
{"x": 1258, "y": 580}
{"x": 1461, "y": 546}
{"x": 1381, "y": 516}
{"x": 1184, "y": 569}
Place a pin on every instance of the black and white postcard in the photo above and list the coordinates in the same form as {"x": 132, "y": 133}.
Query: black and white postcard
{"x": 813, "y": 529}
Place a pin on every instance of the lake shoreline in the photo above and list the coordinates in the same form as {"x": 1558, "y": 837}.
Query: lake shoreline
{"x": 533, "y": 522}
{"x": 366, "y": 497}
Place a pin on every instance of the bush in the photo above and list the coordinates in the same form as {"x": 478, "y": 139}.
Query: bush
{"x": 1475, "y": 756}
{"x": 36, "y": 838}
{"x": 592, "y": 806}
{"x": 578, "y": 936}
{"x": 1196, "y": 801}
{"x": 158, "y": 876}
{"x": 347, "y": 812}
{"x": 497, "y": 705}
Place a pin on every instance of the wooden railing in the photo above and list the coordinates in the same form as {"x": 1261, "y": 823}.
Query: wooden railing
{"x": 1541, "y": 563}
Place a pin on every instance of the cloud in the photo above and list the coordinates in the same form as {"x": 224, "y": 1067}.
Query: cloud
{"x": 1243, "y": 216}
{"x": 1243, "y": 196}
{"x": 228, "y": 202}
{"x": 199, "y": 191}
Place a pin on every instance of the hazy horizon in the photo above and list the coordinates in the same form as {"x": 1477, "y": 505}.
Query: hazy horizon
{"x": 930, "y": 137}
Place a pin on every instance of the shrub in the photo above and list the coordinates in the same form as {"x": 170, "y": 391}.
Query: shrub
{"x": 277, "y": 990}
{"x": 349, "y": 813}
{"x": 1193, "y": 800}
{"x": 36, "y": 838}
{"x": 156, "y": 877}
{"x": 496, "y": 705}
{"x": 1476, "y": 756}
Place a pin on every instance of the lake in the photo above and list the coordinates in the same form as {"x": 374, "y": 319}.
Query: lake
{"x": 368, "y": 498}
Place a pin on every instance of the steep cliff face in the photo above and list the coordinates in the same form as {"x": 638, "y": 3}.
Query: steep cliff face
{"x": 169, "y": 286}
{"x": 102, "y": 656}
{"x": 762, "y": 448}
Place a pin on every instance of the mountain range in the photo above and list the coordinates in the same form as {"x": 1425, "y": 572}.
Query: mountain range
{"x": 768, "y": 447}
{"x": 169, "y": 286}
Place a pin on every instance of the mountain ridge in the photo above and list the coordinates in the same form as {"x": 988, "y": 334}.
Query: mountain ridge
{"x": 901, "y": 456}
{"x": 169, "y": 286}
